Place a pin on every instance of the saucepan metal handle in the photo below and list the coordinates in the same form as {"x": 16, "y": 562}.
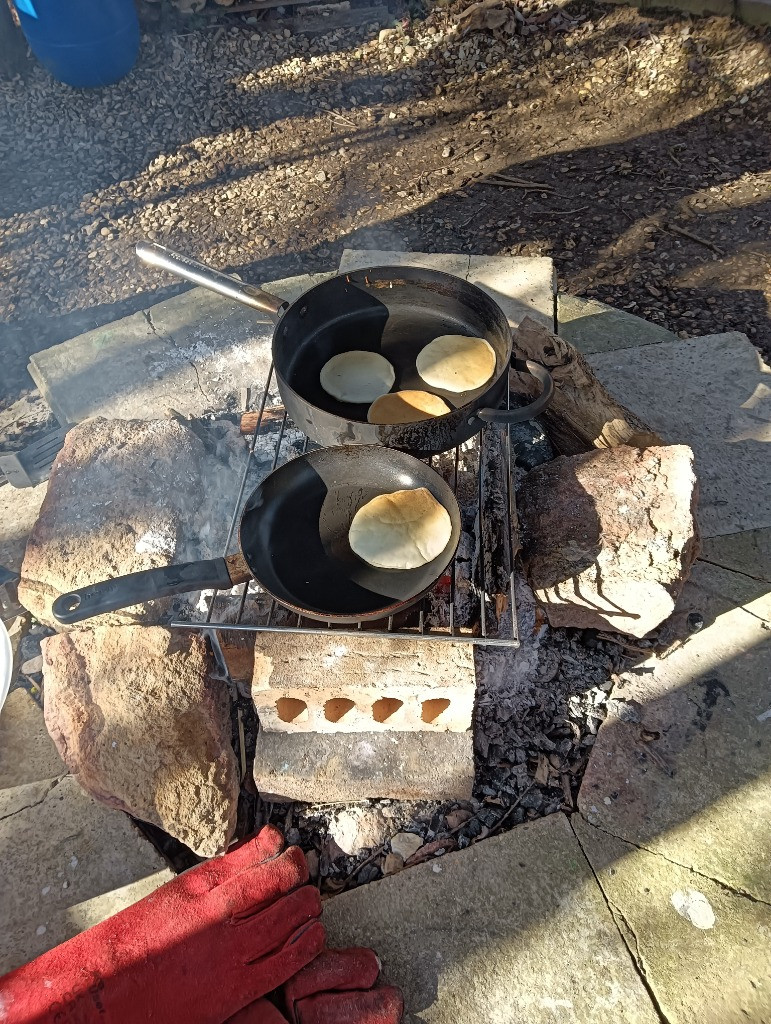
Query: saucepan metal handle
{"x": 198, "y": 273}
{"x": 527, "y": 412}
{"x": 137, "y": 587}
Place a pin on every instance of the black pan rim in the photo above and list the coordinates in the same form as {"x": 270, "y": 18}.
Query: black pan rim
{"x": 394, "y": 606}
{"x": 467, "y": 408}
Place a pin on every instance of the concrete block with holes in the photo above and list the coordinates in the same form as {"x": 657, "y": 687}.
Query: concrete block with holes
{"x": 362, "y": 684}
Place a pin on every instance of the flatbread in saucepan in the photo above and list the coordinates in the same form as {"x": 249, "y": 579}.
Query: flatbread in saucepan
{"x": 407, "y": 407}
{"x": 400, "y": 530}
{"x": 357, "y": 376}
{"x": 455, "y": 363}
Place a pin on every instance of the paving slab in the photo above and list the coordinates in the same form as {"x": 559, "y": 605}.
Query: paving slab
{"x": 521, "y": 285}
{"x": 705, "y": 951}
{"x": 27, "y": 752}
{"x": 19, "y": 508}
{"x": 59, "y": 848}
{"x": 713, "y": 393}
{"x": 594, "y": 327}
{"x": 512, "y": 930}
{"x": 698, "y": 791}
{"x": 192, "y": 353}
{"x": 748, "y": 553}
{"x": 347, "y": 767}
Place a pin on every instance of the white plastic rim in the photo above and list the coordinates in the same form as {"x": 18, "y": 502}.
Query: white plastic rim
{"x": 6, "y": 663}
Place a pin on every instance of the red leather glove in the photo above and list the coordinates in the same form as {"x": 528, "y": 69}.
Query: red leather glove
{"x": 193, "y": 952}
{"x": 336, "y": 988}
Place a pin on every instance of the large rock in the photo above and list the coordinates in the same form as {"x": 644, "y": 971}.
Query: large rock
{"x": 610, "y": 536}
{"x": 127, "y": 495}
{"x": 143, "y": 726}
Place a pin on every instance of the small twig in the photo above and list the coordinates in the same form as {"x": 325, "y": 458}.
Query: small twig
{"x": 673, "y": 158}
{"x": 564, "y": 213}
{"x": 675, "y": 230}
{"x": 628, "y": 216}
{"x": 510, "y": 810}
{"x": 540, "y": 186}
{"x": 364, "y": 863}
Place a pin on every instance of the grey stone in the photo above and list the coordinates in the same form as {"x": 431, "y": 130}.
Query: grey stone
{"x": 692, "y": 781}
{"x": 714, "y": 394}
{"x": 144, "y": 726}
{"x": 193, "y": 353}
{"x": 521, "y": 285}
{"x": 510, "y": 929}
{"x": 705, "y": 951}
{"x": 27, "y": 752}
{"x": 345, "y": 767}
{"x": 359, "y": 828}
{"x": 60, "y": 848}
{"x": 594, "y": 327}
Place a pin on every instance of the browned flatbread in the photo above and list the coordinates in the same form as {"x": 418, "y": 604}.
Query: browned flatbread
{"x": 407, "y": 407}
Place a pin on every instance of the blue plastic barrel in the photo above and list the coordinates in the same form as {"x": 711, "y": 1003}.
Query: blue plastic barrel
{"x": 84, "y": 43}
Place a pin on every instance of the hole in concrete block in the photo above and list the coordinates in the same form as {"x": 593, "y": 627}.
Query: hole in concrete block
{"x": 337, "y": 708}
{"x": 432, "y": 709}
{"x": 290, "y": 709}
{"x": 385, "y": 707}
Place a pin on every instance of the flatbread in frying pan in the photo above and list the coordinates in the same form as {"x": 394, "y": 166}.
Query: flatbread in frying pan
{"x": 455, "y": 363}
{"x": 401, "y": 530}
{"x": 357, "y": 376}
{"x": 406, "y": 407}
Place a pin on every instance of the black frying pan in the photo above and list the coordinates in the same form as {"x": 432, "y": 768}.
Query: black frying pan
{"x": 395, "y": 311}
{"x": 294, "y": 542}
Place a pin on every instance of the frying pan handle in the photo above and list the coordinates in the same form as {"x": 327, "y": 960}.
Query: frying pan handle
{"x": 138, "y": 587}
{"x": 214, "y": 280}
{"x": 528, "y": 412}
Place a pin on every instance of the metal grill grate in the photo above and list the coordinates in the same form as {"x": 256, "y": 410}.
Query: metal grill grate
{"x": 493, "y": 620}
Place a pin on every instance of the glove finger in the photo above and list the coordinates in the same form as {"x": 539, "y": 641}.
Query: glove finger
{"x": 334, "y": 970}
{"x": 261, "y": 1012}
{"x": 265, "y": 846}
{"x": 251, "y": 890}
{"x": 258, "y": 935}
{"x": 267, "y": 973}
{"x": 375, "y": 1006}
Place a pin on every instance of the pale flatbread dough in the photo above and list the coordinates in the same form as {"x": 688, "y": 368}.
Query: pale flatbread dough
{"x": 357, "y": 376}
{"x": 456, "y": 363}
{"x": 407, "y": 407}
{"x": 401, "y": 530}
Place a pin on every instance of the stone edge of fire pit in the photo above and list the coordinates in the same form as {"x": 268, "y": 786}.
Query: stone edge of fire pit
{"x": 347, "y": 767}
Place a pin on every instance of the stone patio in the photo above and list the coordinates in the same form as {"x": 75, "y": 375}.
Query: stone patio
{"x": 653, "y": 902}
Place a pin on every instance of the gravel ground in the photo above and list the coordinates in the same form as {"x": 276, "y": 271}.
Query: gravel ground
{"x": 270, "y": 152}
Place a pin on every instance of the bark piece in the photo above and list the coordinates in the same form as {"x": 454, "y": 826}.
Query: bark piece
{"x": 583, "y": 414}
{"x": 610, "y": 536}
{"x": 143, "y": 727}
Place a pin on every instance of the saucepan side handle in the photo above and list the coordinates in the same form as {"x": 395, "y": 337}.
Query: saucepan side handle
{"x": 527, "y": 412}
{"x": 198, "y": 273}
{"x": 138, "y": 587}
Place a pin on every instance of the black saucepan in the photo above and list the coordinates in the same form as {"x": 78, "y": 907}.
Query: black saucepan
{"x": 395, "y": 311}
{"x": 294, "y": 542}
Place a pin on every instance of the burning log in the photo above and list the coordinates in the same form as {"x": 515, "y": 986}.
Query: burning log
{"x": 583, "y": 414}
